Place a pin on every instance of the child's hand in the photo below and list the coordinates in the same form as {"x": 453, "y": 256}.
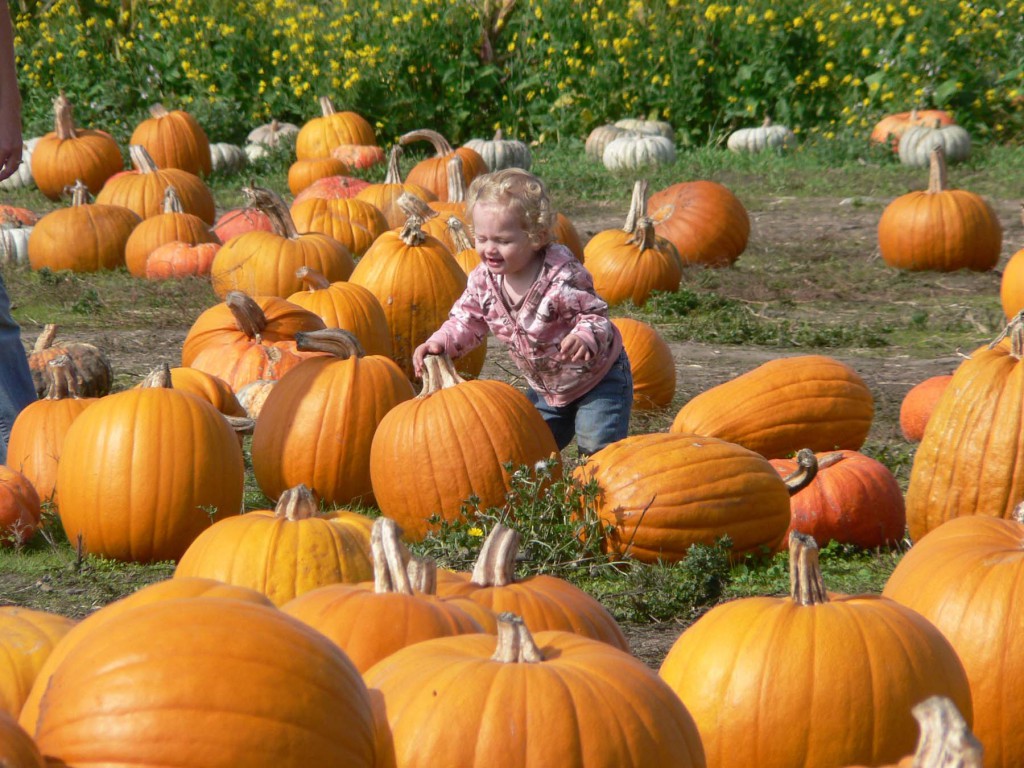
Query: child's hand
{"x": 424, "y": 349}
{"x": 573, "y": 350}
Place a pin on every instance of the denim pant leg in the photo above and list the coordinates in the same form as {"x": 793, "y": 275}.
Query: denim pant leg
{"x": 602, "y": 415}
{"x": 16, "y": 387}
{"x": 561, "y": 419}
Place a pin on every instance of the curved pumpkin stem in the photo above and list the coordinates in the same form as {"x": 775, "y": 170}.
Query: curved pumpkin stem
{"x": 458, "y": 234}
{"x": 271, "y": 203}
{"x": 439, "y": 142}
{"x": 390, "y": 558}
{"x": 1015, "y": 330}
{"x": 806, "y": 469}
{"x": 946, "y": 740}
{"x": 937, "y": 177}
{"x": 62, "y": 379}
{"x": 338, "y": 342}
{"x": 297, "y": 503}
{"x": 158, "y": 378}
{"x": 63, "y": 118}
{"x": 806, "y": 586}
{"x": 327, "y": 106}
{"x": 45, "y": 339}
{"x": 495, "y": 566}
{"x": 241, "y": 425}
{"x": 515, "y": 643}
{"x": 637, "y": 206}
{"x": 394, "y": 171}
{"x": 158, "y": 111}
{"x": 172, "y": 200}
{"x": 456, "y": 180}
{"x": 414, "y": 207}
{"x": 79, "y": 193}
{"x": 249, "y": 316}
{"x": 313, "y": 280}
{"x": 141, "y": 159}
{"x": 422, "y": 573}
{"x": 438, "y": 373}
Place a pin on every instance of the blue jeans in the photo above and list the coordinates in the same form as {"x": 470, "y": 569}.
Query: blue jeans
{"x": 16, "y": 387}
{"x": 598, "y": 418}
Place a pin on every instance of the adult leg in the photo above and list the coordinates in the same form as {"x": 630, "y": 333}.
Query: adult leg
{"x": 602, "y": 415}
{"x": 16, "y": 387}
{"x": 561, "y": 420}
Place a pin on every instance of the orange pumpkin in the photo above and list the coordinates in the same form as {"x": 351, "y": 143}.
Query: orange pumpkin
{"x": 462, "y": 247}
{"x": 142, "y": 190}
{"x": 82, "y": 237}
{"x": 27, "y": 638}
{"x": 302, "y": 173}
{"x": 432, "y": 172}
{"x": 332, "y": 187}
{"x": 172, "y": 225}
{"x": 17, "y": 748}
{"x": 174, "y": 139}
{"x": 71, "y": 154}
{"x": 940, "y": 228}
{"x": 264, "y": 263}
{"x": 566, "y": 234}
{"x": 237, "y": 221}
{"x": 354, "y": 223}
{"x": 93, "y": 374}
{"x": 184, "y": 470}
{"x": 739, "y": 652}
{"x": 208, "y": 387}
{"x": 918, "y": 404}
{"x": 359, "y": 155}
{"x": 1011, "y": 285}
{"x": 178, "y": 259}
{"x": 19, "y": 508}
{"x": 342, "y": 304}
{"x": 320, "y": 135}
{"x": 651, "y": 361}
{"x": 384, "y": 196}
{"x": 704, "y": 220}
{"x": 283, "y": 552}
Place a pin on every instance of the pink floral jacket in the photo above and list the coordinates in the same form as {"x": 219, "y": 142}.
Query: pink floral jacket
{"x": 560, "y": 301}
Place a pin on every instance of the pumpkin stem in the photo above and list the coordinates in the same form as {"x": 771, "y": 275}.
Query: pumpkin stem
{"x": 390, "y": 558}
{"x": 458, "y": 234}
{"x": 637, "y": 206}
{"x": 249, "y": 316}
{"x": 268, "y": 201}
{"x": 172, "y": 200}
{"x": 327, "y": 106}
{"x": 241, "y": 425}
{"x": 413, "y": 206}
{"x": 830, "y": 459}
{"x": 806, "y": 586}
{"x": 498, "y": 135}
{"x": 806, "y": 468}
{"x": 297, "y": 503}
{"x": 142, "y": 161}
{"x": 313, "y": 280}
{"x": 45, "y": 339}
{"x": 63, "y": 119}
{"x": 456, "y": 180}
{"x": 422, "y": 573}
{"x": 945, "y": 740}
{"x": 937, "y": 181}
{"x": 158, "y": 378}
{"x": 438, "y": 373}
{"x": 62, "y": 379}
{"x": 767, "y": 122}
{"x": 515, "y": 643}
{"x": 412, "y": 233}
{"x": 495, "y": 566}
{"x": 439, "y": 142}
{"x": 79, "y": 193}
{"x": 338, "y": 342}
{"x": 644, "y": 237}
{"x": 1015, "y": 330}
{"x": 158, "y": 111}
{"x": 394, "y": 171}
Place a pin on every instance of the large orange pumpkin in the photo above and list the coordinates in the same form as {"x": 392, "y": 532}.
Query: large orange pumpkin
{"x": 751, "y": 671}
{"x": 145, "y": 471}
{"x": 320, "y": 135}
{"x": 342, "y": 304}
{"x": 704, "y": 220}
{"x": 71, "y": 154}
{"x": 27, "y": 638}
{"x": 142, "y": 190}
{"x": 432, "y": 172}
{"x": 518, "y": 700}
{"x": 191, "y": 677}
{"x": 940, "y": 228}
{"x": 805, "y": 401}
{"x": 172, "y": 225}
{"x": 174, "y": 139}
{"x": 468, "y": 433}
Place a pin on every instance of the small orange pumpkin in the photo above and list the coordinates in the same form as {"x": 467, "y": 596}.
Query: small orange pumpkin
{"x": 142, "y": 189}
{"x": 19, "y": 508}
{"x": 172, "y": 225}
{"x": 302, "y": 173}
{"x": 320, "y": 135}
{"x": 918, "y": 404}
{"x": 651, "y": 362}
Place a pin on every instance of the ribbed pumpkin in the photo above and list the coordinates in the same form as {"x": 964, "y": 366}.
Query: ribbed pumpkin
{"x": 145, "y": 471}
{"x": 359, "y": 155}
{"x": 582, "y": 702}
{"x": 543, "y": 602}
{"x": 330, "y": 129}
{"x": 283, "y": 552}
{"x": 891, "y": 127}
{"x": 631, "y": 151}
{"x": 372, "y": 620}
{"x": 178, "y": 259}
{"x": 969, "y": 460}
{"x": 919, "y": 403}
{"x": 264, "y": 263}
{"x": 174, "y": 139}
{"x": 242, "y": 353}
{"x": 94, "y": 376}
{"x": 191, "y": 677}
{"x": 806, "y": 401}
{"x": 940, "y": 228}
{"x": 83, "y": 237}
{"x": 172, "y": 225}
{"x": 342, "y": 304}
{"x": 302, "y": 173}
{"x": 208, "y": 387}
{"x": 168, "y": 589}
{"x": 599, "y": 138}
{"x": 416, "y": 280}
{"x": 238, "y": 221}
{"x": 500, "y": 153}
{"x": 662, "y": 493}
{"x": 270, "y": 134}
{"x": 917, "y": 143}
{"x": 352, "y": 222}
{"x": 853, "y": 499}
{"x": 466, "y": 432}
{"x": 384, "y": 196}
{"x": 20, "y": 511}
{"x": 869, "y": 657}
{"x": 37, "y": 436}
{"x": 432, "y": 172}
{"x": 71, "y": 154}
{"x": 704, "y": 221}
{"x": 142, "y": 189}
{"x": 317, "y": 424}
{"x": 27, "y": 637}
{"x": 332, "y": 187}
{"x": 964, "y": 577}
{"x": 1011, "y": 285}
{"x": 651, "y": 361}
{"x": 629, "y": 263}
{"x": 17, "y": 748}
{"x": 768, "y": 135}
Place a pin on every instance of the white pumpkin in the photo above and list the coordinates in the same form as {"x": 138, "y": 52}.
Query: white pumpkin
{"x": 22, "y": 178}
{"x": 14, "y": 245}
{"x": 768, "y": 135}
{"x": 599, "y": 138}
{"x": 227, "y": 158}
{"x": 255, "y": 151}
{"x": 647, "y": 127}
{"x": 634, "y": 152}
{"x": 918, "y": 141}
{"x": 500, "y": 153}
{"x": 271, "y": 133}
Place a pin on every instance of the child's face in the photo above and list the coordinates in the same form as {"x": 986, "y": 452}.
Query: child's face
{"x": 504, "y": 246}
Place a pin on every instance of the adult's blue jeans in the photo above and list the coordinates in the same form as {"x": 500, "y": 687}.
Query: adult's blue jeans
{"x": 16, "y": 387}
{"x": 598, "y": 418}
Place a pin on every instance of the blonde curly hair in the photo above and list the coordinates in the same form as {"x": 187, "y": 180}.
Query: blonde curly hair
{"x": 521, "y": 192}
